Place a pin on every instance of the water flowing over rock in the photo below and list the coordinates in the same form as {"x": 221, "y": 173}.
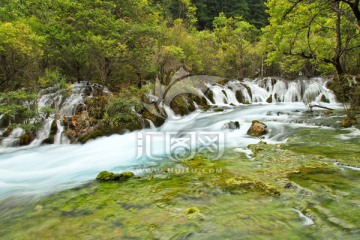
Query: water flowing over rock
{"x": 66, "y": 102}
{"x": 272, "y": 90}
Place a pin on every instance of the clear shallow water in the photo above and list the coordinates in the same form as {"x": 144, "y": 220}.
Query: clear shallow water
{"x": 47, "y": 169}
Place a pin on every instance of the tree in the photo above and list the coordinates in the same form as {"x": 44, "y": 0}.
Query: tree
{"x": 316, "y": 31}
{"x": 20, "y": 51}
{"x": 235, "y": 39}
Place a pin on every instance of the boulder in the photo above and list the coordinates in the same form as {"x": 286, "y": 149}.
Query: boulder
{"x": 257, "y": 129}
{"x": 110, "y": 176}
{"x": 25, "y": 139}
{"x": 348, "y": 122}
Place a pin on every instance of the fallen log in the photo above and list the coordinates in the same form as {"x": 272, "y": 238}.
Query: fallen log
{"x": 319, "y": 106}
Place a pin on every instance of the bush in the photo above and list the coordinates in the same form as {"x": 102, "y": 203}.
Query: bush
{"x": 122, "y": 110}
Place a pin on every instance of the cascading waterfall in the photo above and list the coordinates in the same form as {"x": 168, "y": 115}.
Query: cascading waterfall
{"x": 269, "y": 90}
{"x": 66, "y": 106}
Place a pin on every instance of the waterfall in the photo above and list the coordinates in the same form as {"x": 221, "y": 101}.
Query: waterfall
{"x": 272, "y": 90}
{"x": 66, "y": 104}
{"x": 13, "y": 139}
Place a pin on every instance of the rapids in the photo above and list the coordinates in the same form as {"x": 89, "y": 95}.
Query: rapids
{"x": 45, "y": 169}
{"x": 39, "y": 170}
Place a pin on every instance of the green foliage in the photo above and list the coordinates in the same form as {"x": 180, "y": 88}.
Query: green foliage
{"x": 20, "y": 50}
{"x": 52, "y": 78}
{"x": 122, "y": 110}
{"x": 313, "y": 37}
{"x": 47, "y": 111}
{"x": 18, "y": 106}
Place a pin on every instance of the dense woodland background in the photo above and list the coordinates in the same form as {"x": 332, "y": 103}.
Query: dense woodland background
{"x": 122, "y": 43}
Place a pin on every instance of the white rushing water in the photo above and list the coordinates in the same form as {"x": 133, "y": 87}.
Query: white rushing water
{"x": 50, "y": 168}
{"x": 309, "y": 91}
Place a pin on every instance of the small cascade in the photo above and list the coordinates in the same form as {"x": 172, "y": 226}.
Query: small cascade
{"x": 218, "y": 95}
{"x": 13, "y": 139}
{"x": 43, "y": 133}
{"x": 231, "y": 97}
{"x": 152, "y": 125}
{"x": 60, "y": 138}
{"x": 169, "y": 112}
{"x": 65, "y": 104}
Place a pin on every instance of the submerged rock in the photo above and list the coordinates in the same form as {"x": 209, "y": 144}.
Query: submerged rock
{"x": 232, "y": 125}
{"x": 192, "y": 213}
{"x": 110, "y": 176}
{"x": 257, "y": 129}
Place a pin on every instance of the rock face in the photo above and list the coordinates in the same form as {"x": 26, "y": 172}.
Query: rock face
{"x": 257, "y": 129}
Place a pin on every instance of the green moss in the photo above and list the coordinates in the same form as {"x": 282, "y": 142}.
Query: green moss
{"x": 328, "y": 112}
{"x": 192, "y": 213}
{"x": 206, "y": 107}
{"x": 218, "y": 109}
{"x": 109, "y": 176}
{"x": 239, "y": 96}
{"x": 269, "y": 100}
{"x": 92, "y": 135}
{"x": 348, "y": 122}
{"x": 246, "y": 102}
{"x": 49, "y": 140}
{"x": 8, "y": 131}
{"x": 25, "y": 139}
{"x": 54, "y": 128}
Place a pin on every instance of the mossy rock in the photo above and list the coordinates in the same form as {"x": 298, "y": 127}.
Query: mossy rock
{"x": 206, "y": 107}
{"x": 246, "y": 103}
{"x": 192, "y": 213}
{"x": 238, "y": 184}
{"x": 92, "y": 135}
{"x": 49, "y": 140}
{"x": 210, "y": 95}
{"x": 239, "y": 96}
{"x": 110, "y": 176}
{"x": 8, "y": 131}
{"x": 324, "y": 99}
{"x": 158, "y": 121}
{"x": 269, "y": 100}
{"x": 328, "y": 112}
{"x": 348, "y": 122}
{"x": 196, "y": 161}
{"x": 180, "y": 105}
{"x": 54, "y": 128}
{"x": 25, "y": 139}
{"x": 218, "y": 110}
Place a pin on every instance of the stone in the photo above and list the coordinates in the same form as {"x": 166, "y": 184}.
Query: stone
{"x": 257, "y": 129}
{"x": 348, "y": 122}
